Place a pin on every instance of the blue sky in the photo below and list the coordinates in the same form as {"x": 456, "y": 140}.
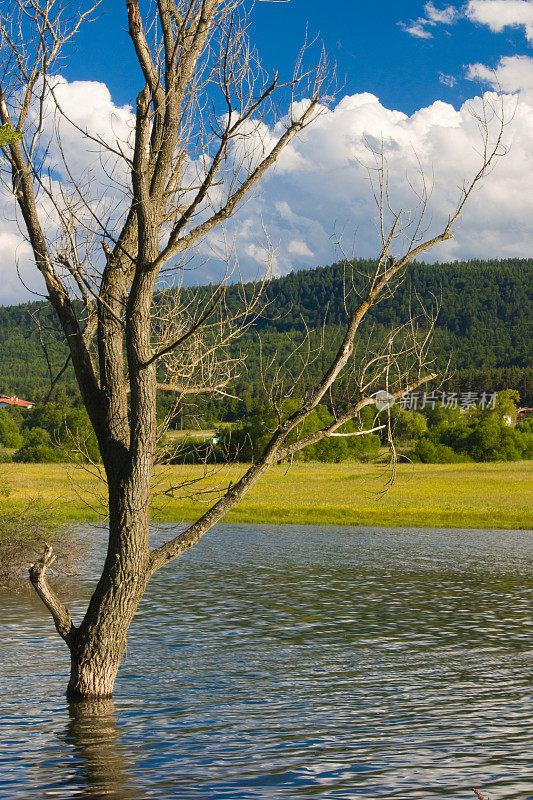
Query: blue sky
{"x": 368, "y": 42}
{"x": 409, "y": 74}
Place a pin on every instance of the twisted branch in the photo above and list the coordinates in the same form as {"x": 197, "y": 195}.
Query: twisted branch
{"x": 60, "y": 614}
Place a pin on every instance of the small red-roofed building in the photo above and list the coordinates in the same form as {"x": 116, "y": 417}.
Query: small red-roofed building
{"x": 14, "y": 401}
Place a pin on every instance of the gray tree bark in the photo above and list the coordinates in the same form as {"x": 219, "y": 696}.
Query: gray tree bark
{"x": 203, "y": 50}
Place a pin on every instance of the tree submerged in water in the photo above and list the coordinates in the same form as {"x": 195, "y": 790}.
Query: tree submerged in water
{"x": 201, "y": 140}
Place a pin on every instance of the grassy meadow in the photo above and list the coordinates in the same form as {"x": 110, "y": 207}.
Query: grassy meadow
{"x": 496, "y": 495}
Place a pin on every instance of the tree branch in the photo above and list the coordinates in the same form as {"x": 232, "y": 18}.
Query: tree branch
{"x": 359, "y": 433}
{"x": 187, "y": 335}
{"x": 188, "y": 538}
{"x": 60, "y": 614}
{"x": 346, "y": 417}
{"x": 143, "y": 52}
{"x": 54, "y": 379}
{"x": 176, "y": 245}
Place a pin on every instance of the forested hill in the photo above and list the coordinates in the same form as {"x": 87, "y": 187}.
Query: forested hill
{"x": 484, "y": 322}
{"x": 485, "y": 317}
{"x": 483, "y": 327}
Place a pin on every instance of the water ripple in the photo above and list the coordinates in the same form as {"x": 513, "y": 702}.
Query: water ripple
{"x": 283, "y": 662}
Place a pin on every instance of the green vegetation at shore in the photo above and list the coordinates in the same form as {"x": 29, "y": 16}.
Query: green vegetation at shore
{"x": 489, "y": 428}
{"x": 424, "y": 495}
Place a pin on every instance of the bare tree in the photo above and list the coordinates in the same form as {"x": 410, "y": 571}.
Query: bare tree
{"x": 198, "y": 147}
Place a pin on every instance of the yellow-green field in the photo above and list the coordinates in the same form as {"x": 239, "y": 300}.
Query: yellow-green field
{"x": 464, "y": 495}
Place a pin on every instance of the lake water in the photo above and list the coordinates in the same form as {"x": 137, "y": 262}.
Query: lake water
{"x": 291, "y": 662}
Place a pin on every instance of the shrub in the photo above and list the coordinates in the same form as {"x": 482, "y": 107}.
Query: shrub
{"x": 38, "y": 448}
{"x": 408, "y": 425}
{"x": 481, "y": 435}
{"x": 429, "y": 452}
{"x": 9, "y": 432}
{"x": 69, "y": 435}
{"x": 5, "y": 455}
{"x": 24, "y": 531}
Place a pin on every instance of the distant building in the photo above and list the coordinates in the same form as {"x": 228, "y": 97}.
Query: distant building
{"x": 14, "y": 401}
{"x": 521, "y": 414}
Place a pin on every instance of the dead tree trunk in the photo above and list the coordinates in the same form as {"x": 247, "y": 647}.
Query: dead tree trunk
{"x": 198, "y": 149}
{"x": 98, "y": 644}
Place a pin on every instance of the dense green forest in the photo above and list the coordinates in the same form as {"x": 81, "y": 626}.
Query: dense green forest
{"x": 483, "y": 330}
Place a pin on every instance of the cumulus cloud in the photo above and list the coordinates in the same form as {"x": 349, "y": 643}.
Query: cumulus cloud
{"x": 499, "y": 14}
{"x": 513, "y": 74}
{"x": 87, "y": 105}
{"x": 321, "y": 188}
{"x": 298, "y": 248}
{"x": 327, "y": 193}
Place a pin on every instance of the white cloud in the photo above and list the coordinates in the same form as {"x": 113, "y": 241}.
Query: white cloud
{"x": 447, "y": 80}
{"x": 328, "y": 190}
{"x": 496, "y": 14}
{"x": 513, "y": 74}
{"x": 322, "y": 188}
{"x": 298, "y": 248}
{"x": 417, "y": 29}
{"x": 433, "y": 16}
{"x": 499, "y": 14}
{"x": 444, "y": 16}
{"x": 15, "y": 267}
{"x": 88, "y": 105}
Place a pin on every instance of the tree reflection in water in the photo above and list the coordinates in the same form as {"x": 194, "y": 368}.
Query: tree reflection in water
{"x": 103, "y": 767}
